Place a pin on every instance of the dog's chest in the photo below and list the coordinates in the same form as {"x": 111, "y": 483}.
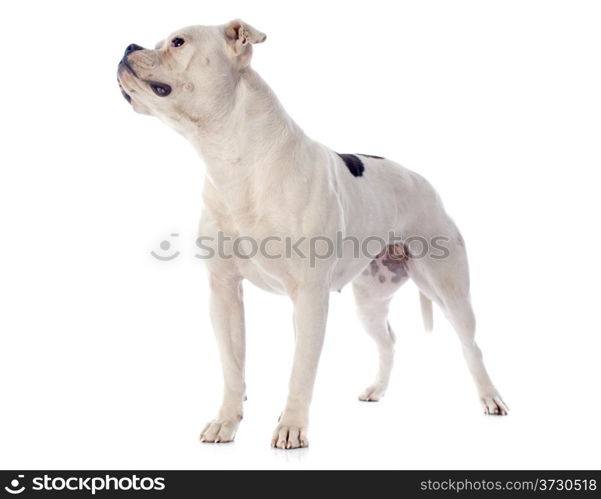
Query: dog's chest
{"x": 264, "y": 234}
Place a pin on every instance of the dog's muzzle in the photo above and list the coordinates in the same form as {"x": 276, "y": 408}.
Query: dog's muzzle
{"x": 160, "y": 89}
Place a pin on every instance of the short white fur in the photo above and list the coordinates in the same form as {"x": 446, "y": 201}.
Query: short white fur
{"x": 264, "y": 178}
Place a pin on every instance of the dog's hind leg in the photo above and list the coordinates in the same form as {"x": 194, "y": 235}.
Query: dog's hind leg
{"x": 373, "y": 290}
{"x": 445, "y": 280}
{"x": 460, "y": 314}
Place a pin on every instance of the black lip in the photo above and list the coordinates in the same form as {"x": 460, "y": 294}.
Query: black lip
{"x": 126, "y": 95}
{"x": 123, "y": 92}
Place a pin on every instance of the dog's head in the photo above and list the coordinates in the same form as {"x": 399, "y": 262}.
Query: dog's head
{"x": 190, "y": 75}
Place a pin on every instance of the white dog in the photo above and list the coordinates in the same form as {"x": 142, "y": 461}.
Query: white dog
{"x": 268, "y": 182}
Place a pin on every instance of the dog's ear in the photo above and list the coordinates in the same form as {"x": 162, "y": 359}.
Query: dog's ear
{"x": 239, "y": 34}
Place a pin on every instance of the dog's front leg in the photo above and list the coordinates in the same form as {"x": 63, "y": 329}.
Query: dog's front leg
{"x": 310, "y": 314}
{"x": 227, "y": 316}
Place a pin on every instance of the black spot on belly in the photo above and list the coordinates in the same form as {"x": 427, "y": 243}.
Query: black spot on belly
{"x": 353, "y": 163}
{"x": 370, "y": 156}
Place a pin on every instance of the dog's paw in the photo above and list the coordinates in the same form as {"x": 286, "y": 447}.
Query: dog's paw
{"x": 289, "y": 437}
{"x": 493, "y": 405}
{"x": 372, "y": 393}
{"x": 220, "y": 431}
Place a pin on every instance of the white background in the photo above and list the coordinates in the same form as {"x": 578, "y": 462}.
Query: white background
{"x": 107, "y": 356}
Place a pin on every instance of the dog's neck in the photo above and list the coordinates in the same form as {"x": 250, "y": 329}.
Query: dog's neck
{"x": 250, "y": 137}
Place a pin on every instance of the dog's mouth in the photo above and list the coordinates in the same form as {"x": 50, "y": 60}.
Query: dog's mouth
{"x": 123, "y": 92}
{"x": 159, "y": 89}
{"x": 124, "y": 65}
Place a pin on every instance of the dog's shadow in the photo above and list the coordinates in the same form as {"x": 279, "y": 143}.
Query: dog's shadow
{"x": 290, "y": 456}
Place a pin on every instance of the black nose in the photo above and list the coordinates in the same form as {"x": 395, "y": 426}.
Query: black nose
{"x": 132, "y": 48}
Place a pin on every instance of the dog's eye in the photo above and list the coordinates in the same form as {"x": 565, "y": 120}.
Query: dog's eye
{"x": 160, "y": 89}
{"x": 177, "y": 42}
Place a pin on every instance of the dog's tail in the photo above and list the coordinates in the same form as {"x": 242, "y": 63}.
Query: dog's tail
{"x": 427, "y": 315}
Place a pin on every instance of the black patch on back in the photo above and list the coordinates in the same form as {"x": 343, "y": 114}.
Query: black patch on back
{"x": 370, "y": 156}
{"x": 353, "y": 163}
